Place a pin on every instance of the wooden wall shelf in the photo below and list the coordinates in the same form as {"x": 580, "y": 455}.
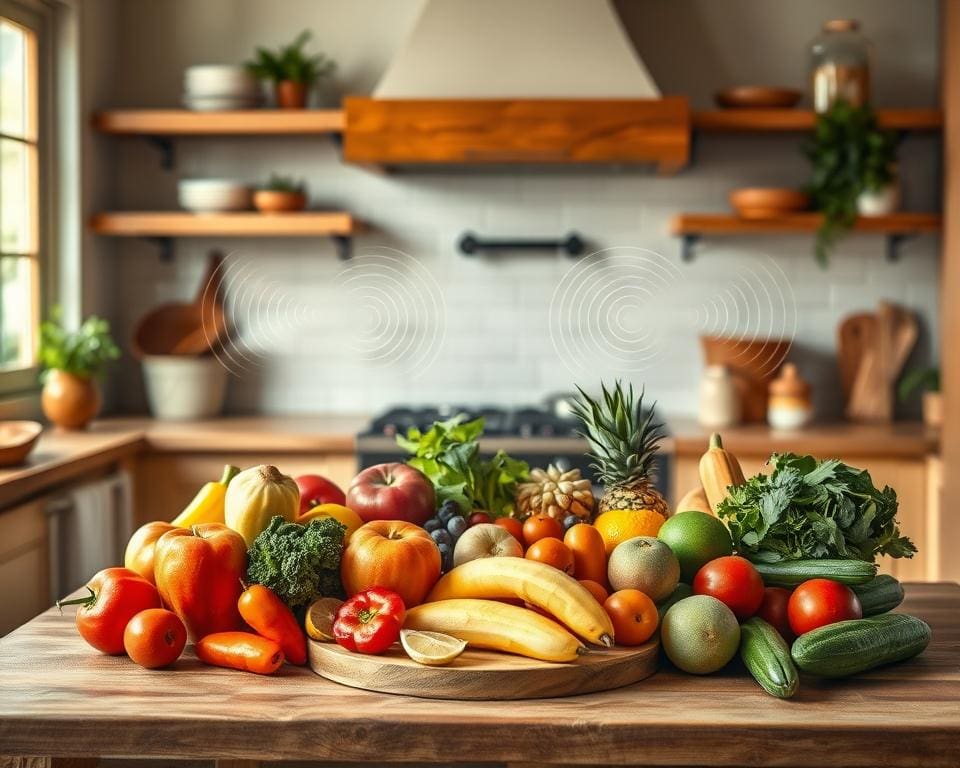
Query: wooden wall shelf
{"x": 250, "y": 122}
{"x": 897, "y": 227}
{"x": 786, "y": 120}
{"x": 166, "y": 225}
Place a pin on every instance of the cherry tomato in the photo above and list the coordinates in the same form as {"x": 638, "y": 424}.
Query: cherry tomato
{"x": 773, "y": 610}
{"x": 733, "y": 581}
{"x": 819, "y": 602}
{"x": 538, "y": 527}
{"x": 155, "y": 638}
{"x": 478, "y": 517}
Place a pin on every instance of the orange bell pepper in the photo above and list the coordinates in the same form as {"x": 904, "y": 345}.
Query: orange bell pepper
{"x": 199, "y": 572}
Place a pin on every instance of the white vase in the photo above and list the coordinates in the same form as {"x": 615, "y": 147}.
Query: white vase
{"x": 719, "y": 400}
{"x": 881, "y": 202}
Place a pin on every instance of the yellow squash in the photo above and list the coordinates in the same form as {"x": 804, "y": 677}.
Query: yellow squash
{"x": 695, "y": 499}
{"x": 536, "y": 583}
{"x": 255, "y": 496}
{"x": 207, "y": 505}
{"x": 497, "y": 626}
{"x": 719, "y": 469}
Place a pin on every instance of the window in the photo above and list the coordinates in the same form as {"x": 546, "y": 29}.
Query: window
{"x": 21, "y": 243}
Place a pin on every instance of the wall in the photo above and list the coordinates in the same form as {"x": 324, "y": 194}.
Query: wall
{"x": 311, "y": 350}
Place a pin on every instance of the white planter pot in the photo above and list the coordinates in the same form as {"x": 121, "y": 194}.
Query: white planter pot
{"x": 181, "y": 388}
{"x": 882, "y": 202}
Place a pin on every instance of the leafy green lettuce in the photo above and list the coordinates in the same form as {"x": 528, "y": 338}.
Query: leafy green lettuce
{"x": 813, "y": 509}
{"x": 449, "y": 454}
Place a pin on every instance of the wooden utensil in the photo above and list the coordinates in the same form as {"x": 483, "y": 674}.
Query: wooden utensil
{"x": 17, "y": 439}
{"x": 757, "y": 97}
{"x": 478, "y": 674}
{"x": 191, "y": 329}
{"x": 767, "y": 202}
{"x": 854, "y": 335}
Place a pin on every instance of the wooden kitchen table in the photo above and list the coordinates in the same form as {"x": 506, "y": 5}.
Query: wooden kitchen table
{"x": 60, "y": 699}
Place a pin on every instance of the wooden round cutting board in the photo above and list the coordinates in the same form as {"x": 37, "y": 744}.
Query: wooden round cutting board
{"x": 478, "y": 674}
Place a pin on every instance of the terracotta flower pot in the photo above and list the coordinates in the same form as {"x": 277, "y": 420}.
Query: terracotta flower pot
{"x": 275, "y": 201}
{"x": 291, "y": 95}
{"x": 70, "y": 401}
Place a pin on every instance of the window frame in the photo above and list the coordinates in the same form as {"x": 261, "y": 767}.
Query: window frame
{"x": 38, "y": 17}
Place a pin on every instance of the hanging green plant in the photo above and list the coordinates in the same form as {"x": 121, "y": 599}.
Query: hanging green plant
{"x": 850, "y": 154}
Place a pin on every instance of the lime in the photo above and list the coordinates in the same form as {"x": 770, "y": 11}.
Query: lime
{"x": 433, "y": 649}
{"x": 700, "y": 634}
{"x": 696, "y": 538}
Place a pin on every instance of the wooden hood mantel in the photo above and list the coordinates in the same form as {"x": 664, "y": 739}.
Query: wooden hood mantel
{"x": 475, "y": 132}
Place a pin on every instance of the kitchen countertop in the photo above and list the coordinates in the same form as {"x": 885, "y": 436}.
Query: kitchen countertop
{"x": 62, "y": 698}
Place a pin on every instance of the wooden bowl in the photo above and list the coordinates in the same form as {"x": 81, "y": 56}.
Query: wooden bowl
{"x": 757, "y": 97}
{"x": 754, "y": 363}
{"x": 273, "y": 201}
{"x": 17, "y": 439}
{"x": 767, "y": 202}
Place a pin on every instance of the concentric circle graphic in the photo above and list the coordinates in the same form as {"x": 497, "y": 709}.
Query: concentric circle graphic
{"x": 384, "y": 307}
{"x": 622, "y": 308}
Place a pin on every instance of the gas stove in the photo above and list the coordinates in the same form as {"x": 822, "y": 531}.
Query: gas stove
{"x": 539, "y": 435}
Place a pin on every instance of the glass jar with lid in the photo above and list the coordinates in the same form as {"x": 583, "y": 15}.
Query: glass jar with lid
{"x": 840, "y": 65}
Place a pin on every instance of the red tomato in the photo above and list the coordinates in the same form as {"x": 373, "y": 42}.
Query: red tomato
{"x": 155, "y": 638}
{"x": 819, "y": 602}
{"x": 316, "y": 490}
{"x": 514, "y": 526}
{"x": 479, "y": 517}
{"x": 773, "y": 610}
{"x": 733, "y": 581}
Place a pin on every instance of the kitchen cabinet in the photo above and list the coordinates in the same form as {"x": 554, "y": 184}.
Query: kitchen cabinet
{"x": 901, "y": 456}
{"x": 166, "y": 482}
{"x": 24, "y": 564}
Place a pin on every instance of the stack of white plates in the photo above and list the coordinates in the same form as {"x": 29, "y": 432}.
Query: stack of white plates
{"x": 212, "y": 87}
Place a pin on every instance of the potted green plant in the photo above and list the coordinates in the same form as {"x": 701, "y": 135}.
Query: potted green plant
{"x": 853, "y": 171}
{"x": 280, "y": 194}
{"x": 928, "y": 380}
{"x": 72, "y": 360}
{"x": 291, "y": 70}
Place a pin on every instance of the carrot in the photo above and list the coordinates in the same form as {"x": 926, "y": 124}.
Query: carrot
{"x": 270, "y": 617}
{"x": 240, "y": 650}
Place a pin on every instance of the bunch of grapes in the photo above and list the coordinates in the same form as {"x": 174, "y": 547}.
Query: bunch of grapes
{"x": 446, "y": 527}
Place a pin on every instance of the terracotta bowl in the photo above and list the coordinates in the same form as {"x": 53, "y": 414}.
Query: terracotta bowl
{"x": 757, "y": 97}
{"x": 17, "y": 439}
{"x": 767, "y": 202}
{"x": 272, "y": 201}
{"x": 754, "y": 363}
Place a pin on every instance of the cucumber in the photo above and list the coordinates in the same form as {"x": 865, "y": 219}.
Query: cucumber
{"x": 767, "y": 657}
{"x": 790, "y": 573}
{"x": 849, "y": 647}
{"x": 679, "y": 593}
{"x": 882, "y": 594}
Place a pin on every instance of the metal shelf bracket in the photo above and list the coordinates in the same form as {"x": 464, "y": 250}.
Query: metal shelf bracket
{"x": 344, "y": 246}
{"x": 164, "y": 145}
{"x": 165, "y": 244}
{"x": 894, "y": 241}
{"x": 688, "y": 244}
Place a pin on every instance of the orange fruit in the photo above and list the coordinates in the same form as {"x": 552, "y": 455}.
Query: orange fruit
{"x": 618, "y": 525}
{"x": 634, "y": 616}
{"x": 514, "y": 527}
{"x": 538, "y": 527}
{"x": 553, "y": 552}
{"x": 597, "y": 590}
{"x": 589, "y": 552}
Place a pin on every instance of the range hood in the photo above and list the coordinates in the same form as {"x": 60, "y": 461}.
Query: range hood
{"x": 507, "y": 82}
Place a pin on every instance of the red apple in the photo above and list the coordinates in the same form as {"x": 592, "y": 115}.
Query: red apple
{"x": 392, "y": 492}
{"x": 316, "y": 490}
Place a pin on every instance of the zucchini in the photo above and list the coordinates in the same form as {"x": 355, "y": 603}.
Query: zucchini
{"x": 790, "y": 573}
{"x": 767, "y": 657}
{"x": 880, "y": 595}
{"x": 849, "y": 647}
{"x": 679, "y": 593}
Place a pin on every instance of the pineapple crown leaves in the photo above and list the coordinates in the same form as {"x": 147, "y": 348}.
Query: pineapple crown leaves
{"x": 622, "y": 440}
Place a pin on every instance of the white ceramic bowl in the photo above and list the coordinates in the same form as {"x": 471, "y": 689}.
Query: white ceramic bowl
{"x": 213, "y": 195}
{"x": 220, "y": 103}
{"x": 180, "y": 388}
{"x": 220, "y": 80}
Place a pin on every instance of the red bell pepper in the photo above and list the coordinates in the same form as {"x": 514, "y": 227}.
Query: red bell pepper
{"x": 116, "y": 596}
{"x": 370, "y": 621}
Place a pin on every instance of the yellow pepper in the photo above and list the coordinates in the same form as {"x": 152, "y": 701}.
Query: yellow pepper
{"x": 207, "y": 505}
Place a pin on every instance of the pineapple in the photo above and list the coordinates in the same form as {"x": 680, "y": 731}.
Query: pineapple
{"x": 557, "y": 494}
{"x": 623, "y": 443}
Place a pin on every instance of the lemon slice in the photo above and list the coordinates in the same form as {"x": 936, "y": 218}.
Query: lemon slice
{"x": 433, "y": 649}
{"x": 320, "y": 616}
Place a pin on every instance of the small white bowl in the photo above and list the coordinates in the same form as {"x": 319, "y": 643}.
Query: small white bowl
{"x": 213, "y": 195}
{"x": 180, "y": 388}
{"x": 220, "y": 80}
{"x": 220, "y": 103}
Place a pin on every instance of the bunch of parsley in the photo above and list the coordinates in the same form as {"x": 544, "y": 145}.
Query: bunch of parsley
{"x": 811, "y": 509}
{"x": 449, "y": 454}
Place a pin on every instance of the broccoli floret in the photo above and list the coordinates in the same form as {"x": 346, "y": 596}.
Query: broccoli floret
{"x": 298, "y": 562}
